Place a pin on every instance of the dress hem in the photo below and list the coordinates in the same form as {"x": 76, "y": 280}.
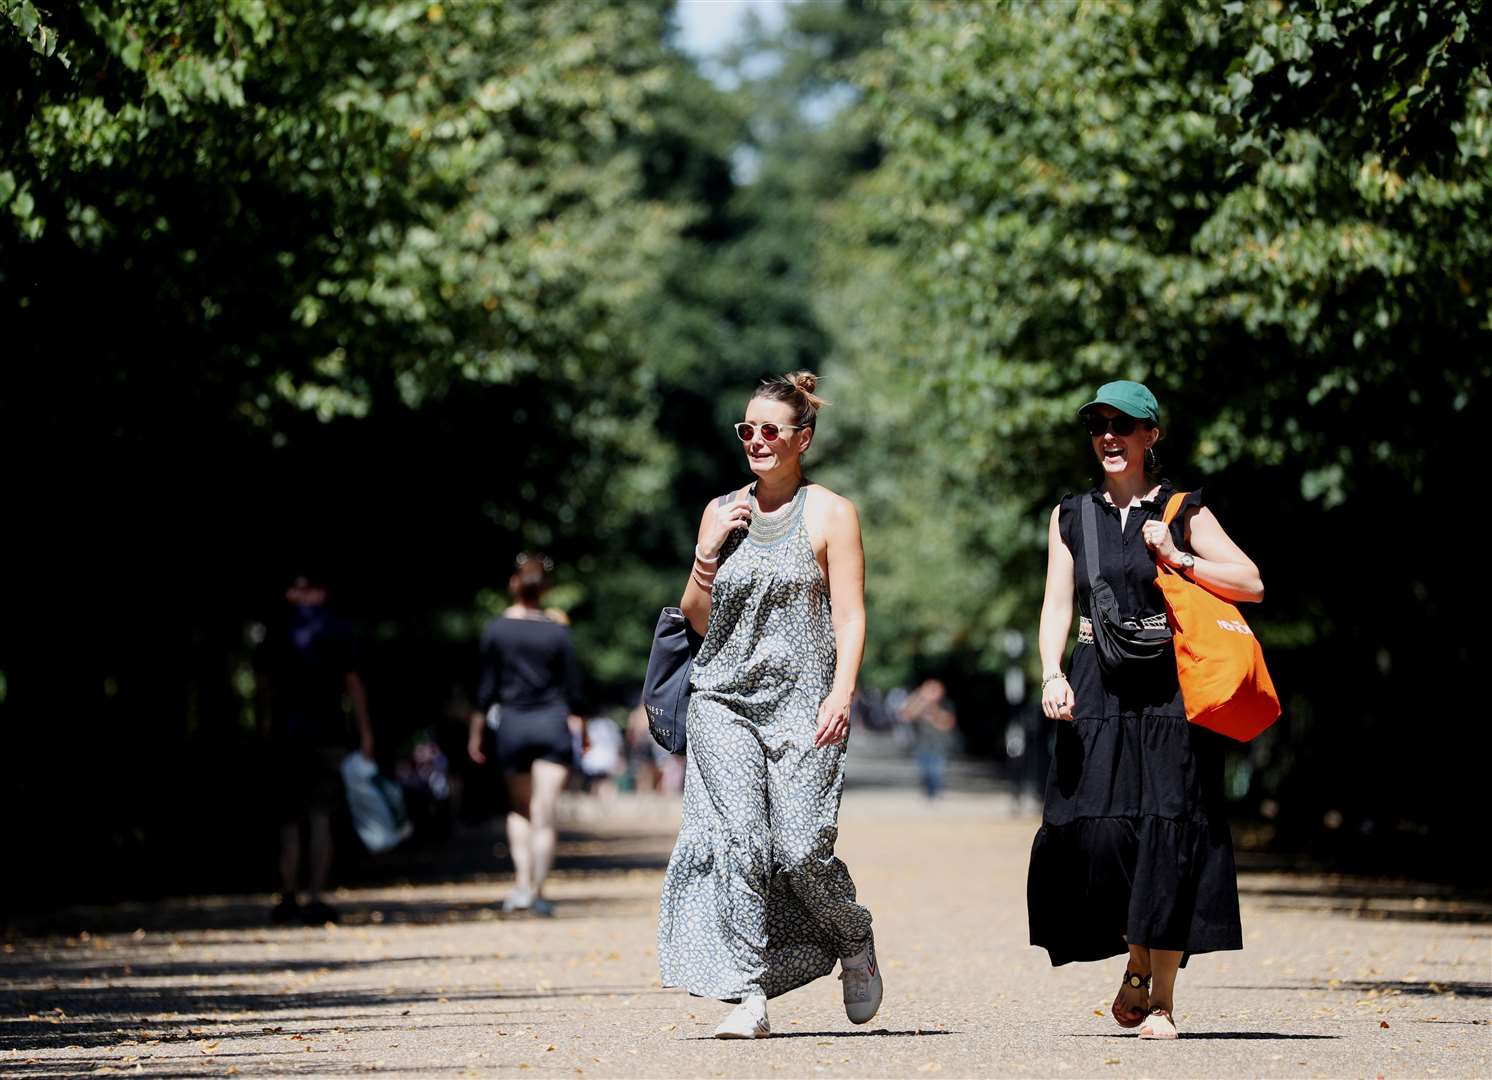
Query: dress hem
{"x": 731, "y": 996}
{"x": 1096, "y": 956}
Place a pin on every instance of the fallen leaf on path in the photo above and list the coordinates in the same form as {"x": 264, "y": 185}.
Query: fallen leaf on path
{"x": 1111, "y": 1061}
{"x": 1383, "y": 1023}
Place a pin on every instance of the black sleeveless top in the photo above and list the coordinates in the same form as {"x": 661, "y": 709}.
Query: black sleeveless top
{"x": 1123, "y": 559}
{"x": 1127, "y": 565}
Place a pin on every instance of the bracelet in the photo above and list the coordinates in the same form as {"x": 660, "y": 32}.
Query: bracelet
{"x": 1053, "y": 678}
{"x": 699, "y": 557}
{"x": 705, "y": 585}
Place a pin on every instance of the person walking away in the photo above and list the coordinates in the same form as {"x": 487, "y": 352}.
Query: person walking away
{"x": 310, "y": 664}
{"x": 1133, "y": 855}
{"x": 754, "y": 901}
{"x": 530, "y": 672}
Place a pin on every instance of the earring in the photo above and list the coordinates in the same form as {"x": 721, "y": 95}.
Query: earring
{"x": 1150, "y": 462}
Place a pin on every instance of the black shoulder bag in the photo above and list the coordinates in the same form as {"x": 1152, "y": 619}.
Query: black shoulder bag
{"x": 665, "y": 688}
{"x": 1120, "y": 642}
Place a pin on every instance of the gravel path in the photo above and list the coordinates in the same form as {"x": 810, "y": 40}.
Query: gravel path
{"x": 1339, "y": 977}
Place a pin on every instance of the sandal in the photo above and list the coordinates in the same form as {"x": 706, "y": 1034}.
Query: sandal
{"x": 1159, "y": 1025}
{"x": 1132, "y": 1017}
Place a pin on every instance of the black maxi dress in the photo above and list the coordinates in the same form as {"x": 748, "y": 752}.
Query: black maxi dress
{"x": 1134, "y": 843}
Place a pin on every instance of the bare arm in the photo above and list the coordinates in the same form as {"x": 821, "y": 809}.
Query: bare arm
{"x": 847, "y": 588}
{"x": 715, "y": 526}
{"x": 1056, "y": 624}
{"x": 474, "y": 737}
{"x": 1221, "y": 566}
{"x": 359, "y": 696}
{"x": 846, "y": 556}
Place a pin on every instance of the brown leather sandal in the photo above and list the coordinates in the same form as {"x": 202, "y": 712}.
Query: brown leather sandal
{"x": 1131, "y": 1018}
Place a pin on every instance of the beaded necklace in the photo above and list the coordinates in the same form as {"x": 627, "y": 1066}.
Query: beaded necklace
{"x": 770, "y": 529}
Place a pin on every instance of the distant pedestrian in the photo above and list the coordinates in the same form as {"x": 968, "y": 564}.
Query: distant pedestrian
{"x": 529, "y": 671}
{"x": 307, "y": 667}
{"x": 1133, "y": 855}
{"x": 755, "y": 903}
{"x": 934, "y": 727}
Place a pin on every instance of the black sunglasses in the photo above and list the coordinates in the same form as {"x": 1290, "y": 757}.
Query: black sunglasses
{"x": 1122, "y": 425}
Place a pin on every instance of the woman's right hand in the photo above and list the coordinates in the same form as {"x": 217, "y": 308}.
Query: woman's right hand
{"x": 1057, "y": 700}
{"x": 474, "y": 748}
{"x": 725, "y": 520}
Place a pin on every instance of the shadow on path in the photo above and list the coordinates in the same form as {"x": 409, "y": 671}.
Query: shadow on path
{"x": 1265, "y": 1035}
{"x": 1432, "y": 988}
{"x": 121, "y": 1016}
{"x": 877, "y": 1033}
{"x": 476, "y": 857}
{"x": 1367, "y": 898}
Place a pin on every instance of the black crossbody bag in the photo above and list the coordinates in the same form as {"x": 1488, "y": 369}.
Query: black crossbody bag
{"x": 1120, "y": 642}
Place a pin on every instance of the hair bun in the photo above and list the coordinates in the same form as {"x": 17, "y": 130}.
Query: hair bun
{"x": 807, "y": 382}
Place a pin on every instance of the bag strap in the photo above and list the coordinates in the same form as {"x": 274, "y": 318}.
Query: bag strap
{"x": 1172, "y": 505}
{"x": 1090, "y": 540}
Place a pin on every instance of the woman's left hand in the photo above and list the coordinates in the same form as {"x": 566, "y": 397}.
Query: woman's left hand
{"x": 1157, "y": 535}
{"x": 834, "y": 719}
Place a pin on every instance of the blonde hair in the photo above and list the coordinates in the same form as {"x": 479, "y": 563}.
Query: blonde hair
{"x": 795, "y": 389}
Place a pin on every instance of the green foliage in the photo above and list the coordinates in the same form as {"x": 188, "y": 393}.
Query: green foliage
{"x": 362, "y": 280}
{"x": 1056, "y": 208}
{"x": 1386, "y": 77}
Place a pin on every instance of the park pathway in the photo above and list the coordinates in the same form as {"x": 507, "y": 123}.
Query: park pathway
{"x": 1340, "y": 978}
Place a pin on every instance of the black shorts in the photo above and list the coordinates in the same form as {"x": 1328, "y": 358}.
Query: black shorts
{"x": 306, "y": 780}
{"x": 525, "y": 736}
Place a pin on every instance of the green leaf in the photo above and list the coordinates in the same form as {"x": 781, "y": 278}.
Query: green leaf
{"x": 26, "y": 17}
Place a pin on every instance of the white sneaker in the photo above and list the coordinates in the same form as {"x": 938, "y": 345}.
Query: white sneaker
{"x": 747, "y": 1020}
{"x": 518, "y": 900}
{"x": 861, "y": 976}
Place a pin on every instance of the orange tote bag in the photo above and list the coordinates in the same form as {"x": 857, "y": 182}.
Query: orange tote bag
{"x": 1219, "y": 663}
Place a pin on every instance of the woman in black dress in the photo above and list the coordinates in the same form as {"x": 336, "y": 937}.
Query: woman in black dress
{"x": 530, "y": 673}
{"x": 1133, "y": 854}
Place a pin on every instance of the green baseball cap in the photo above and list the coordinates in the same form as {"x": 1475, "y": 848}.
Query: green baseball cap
{"x": 1130, "y": 398}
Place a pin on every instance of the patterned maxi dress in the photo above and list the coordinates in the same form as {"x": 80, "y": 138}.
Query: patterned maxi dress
{"x": 755, "y": 900}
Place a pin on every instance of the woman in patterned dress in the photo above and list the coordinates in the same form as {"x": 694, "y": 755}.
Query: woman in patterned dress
{"x": 754, "y": 902}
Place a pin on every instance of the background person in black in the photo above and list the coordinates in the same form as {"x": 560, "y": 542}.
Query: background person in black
{"x": 308, "y": 665}
{"x": 529, "y": 671}
{"x": 1133, "y": 854}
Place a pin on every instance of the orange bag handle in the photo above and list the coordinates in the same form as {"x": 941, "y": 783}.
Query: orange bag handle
{"x": 1173, "y": 504}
